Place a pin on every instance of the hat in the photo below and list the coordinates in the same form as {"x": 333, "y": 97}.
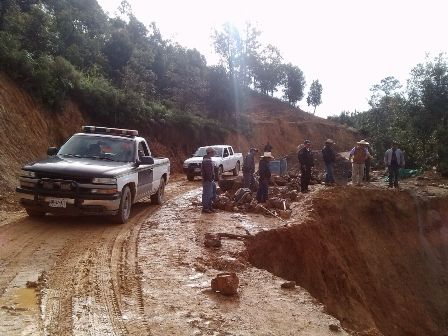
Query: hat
{"x": 267, "y": 155}
{"x": 363, "y": 142}
{"x": 253, "y": 149}
{"x": 330, "y": 141}
{"x": 210, "y": 150}
{"x": 307, "y": 142}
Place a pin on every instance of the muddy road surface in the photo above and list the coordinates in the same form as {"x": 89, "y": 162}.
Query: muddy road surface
{"x": 151, "y": 276}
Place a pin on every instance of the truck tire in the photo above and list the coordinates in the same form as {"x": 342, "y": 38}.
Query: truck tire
{"x": 35, "y": 213}
{"x": 158, "y": 197}
{"x": 236, "y": 170}
{"x": 219, "y": 174}
{"x": 190, "y": 177}
{"x": 124, "y": 210}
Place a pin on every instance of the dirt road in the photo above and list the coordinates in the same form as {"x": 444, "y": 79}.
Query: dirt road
{"x": 151, "y": 276}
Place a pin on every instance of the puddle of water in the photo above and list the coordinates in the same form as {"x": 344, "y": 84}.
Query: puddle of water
{"x": 25, "y": 298}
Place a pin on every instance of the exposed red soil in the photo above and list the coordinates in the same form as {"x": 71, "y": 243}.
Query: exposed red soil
{"x": 377, "y": 259}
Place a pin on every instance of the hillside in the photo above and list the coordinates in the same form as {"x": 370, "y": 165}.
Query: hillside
{"x": 28, "y": 129}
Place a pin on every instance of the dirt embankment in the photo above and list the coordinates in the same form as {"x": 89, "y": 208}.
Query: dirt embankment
{"x": 27, "y": 130}
{"x": 379, "y": 264}
{"x": 286, "y": 127}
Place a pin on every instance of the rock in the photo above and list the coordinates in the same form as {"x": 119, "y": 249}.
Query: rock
{"x": 284, "y": 214}
{"x": 280, "y": 181}
{"x": 212, "y": 240}
{"x": 31, "y": 284}
{"x": 333, "y": 327}
{"x": 226, "y": 283}
{"x": 293, "y": 195}
{"x": 288, "y": 284}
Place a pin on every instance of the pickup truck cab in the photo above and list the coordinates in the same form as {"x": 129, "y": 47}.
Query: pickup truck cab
{"x": 225, "y": 160}
{"x": 100, "y": 171}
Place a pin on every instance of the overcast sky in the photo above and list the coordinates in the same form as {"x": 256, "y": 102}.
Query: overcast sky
{"x": 349, "y": 45}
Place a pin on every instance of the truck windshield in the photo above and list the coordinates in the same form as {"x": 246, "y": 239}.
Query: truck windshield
{"x": 201, "y": 151}
{"x": 101, "y": 148}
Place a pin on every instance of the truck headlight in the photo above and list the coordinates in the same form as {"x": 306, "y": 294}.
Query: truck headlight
{"x": 104, "y": 180}
{"x": 185, "y": 165}
{"x": 27, "y": 173}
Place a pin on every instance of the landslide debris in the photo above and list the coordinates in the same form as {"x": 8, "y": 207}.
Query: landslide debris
{"x": 376, "y": 258}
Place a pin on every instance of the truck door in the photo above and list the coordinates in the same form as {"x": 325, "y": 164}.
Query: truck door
{"x": 226, "y": 159}
{"x": 145, "y": 173}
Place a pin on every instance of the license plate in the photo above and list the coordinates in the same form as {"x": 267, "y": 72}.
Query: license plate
{"x": 57, "y": 202}
{"x": 197, "y": 170}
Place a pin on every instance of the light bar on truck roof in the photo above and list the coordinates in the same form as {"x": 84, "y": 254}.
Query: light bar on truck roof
{"x": 107, "y": 130}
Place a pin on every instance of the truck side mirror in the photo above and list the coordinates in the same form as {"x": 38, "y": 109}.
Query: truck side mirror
{"x": 52, "y": 151}
{"x": 146, "y": 160}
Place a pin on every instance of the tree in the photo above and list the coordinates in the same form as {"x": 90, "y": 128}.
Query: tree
{"x": 315, "y": 95}
{"x": 268, "y": 74}
{"x": 228, "y": 45}
{"x": 294, "y": 84}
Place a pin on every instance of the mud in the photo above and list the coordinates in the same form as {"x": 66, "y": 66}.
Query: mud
{"x": 151, "y": 276}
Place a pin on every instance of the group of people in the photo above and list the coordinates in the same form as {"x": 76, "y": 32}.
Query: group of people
{"x": 360, "y": 157}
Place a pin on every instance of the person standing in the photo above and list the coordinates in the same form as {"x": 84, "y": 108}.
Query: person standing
{"x": 306, "y": 161}
{"x": 265, "y": 176}
{"x": 394, "y": 159}
{"x": 329, "y": 156}
{"x": 249, "y": 169}
{"x": 358, "y": 156}
{"x": 208, "y": 181}
{"x": 368, "y": 163}
{"x": 268, "y": 148}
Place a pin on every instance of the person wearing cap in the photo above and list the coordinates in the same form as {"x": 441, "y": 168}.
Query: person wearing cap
{"x": 329, "y": 156}
{"x": 306, "y": 161}
{"x": 358, "y": 156}
{"x": 208, "y": 181}
{"x": 249, "y": 169}
{"x": 394, "y": 159}
{"x": 265, "y": 176}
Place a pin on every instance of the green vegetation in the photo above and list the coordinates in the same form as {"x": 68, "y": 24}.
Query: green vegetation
{"x": 416, "y": 116}
{"x": 125, "y": 74}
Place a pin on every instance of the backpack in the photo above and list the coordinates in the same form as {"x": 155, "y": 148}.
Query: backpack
{"x": 359, "y": 156}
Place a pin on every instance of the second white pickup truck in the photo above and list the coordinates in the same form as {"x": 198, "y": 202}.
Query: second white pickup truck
{"x": 225, "y": 160}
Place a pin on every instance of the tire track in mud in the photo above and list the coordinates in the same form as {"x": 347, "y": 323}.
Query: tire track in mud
{"x": 92, "y": 279}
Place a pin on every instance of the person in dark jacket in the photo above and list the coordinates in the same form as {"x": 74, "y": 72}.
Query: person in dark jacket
{"x": 329, "y": 156}
{"x": 368, "y": 163}
{"x": 208, "y": 181}
{"x": 306, "y": 161}
{"x": 268, "y": 148}
{"x": 265, "y": 176}
{"x": 394, "y": 160}
{"x": 249, "y": 169}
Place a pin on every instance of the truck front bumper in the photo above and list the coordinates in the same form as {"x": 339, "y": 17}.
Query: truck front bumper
{"x": 92, "y": 205}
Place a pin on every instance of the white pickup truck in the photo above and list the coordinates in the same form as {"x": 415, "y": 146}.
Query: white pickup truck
{"x": 225, "y": 160}
{"x": 100, "y": 171}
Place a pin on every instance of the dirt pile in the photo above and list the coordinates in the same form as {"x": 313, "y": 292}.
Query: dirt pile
{"x": 377, "y": 259}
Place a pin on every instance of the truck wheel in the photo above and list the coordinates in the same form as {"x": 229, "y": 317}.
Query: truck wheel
{"x": 158, "y": 197}
{"x": 190, "y": 177}
{"x": 220, "y": 172}
{"x": 125, "y": 206}
{"x": 236, "y": 170}
{"x": 35, "y": 213}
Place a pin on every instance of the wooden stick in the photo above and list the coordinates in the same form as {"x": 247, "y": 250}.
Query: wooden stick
{"x": 272, "y": 213}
